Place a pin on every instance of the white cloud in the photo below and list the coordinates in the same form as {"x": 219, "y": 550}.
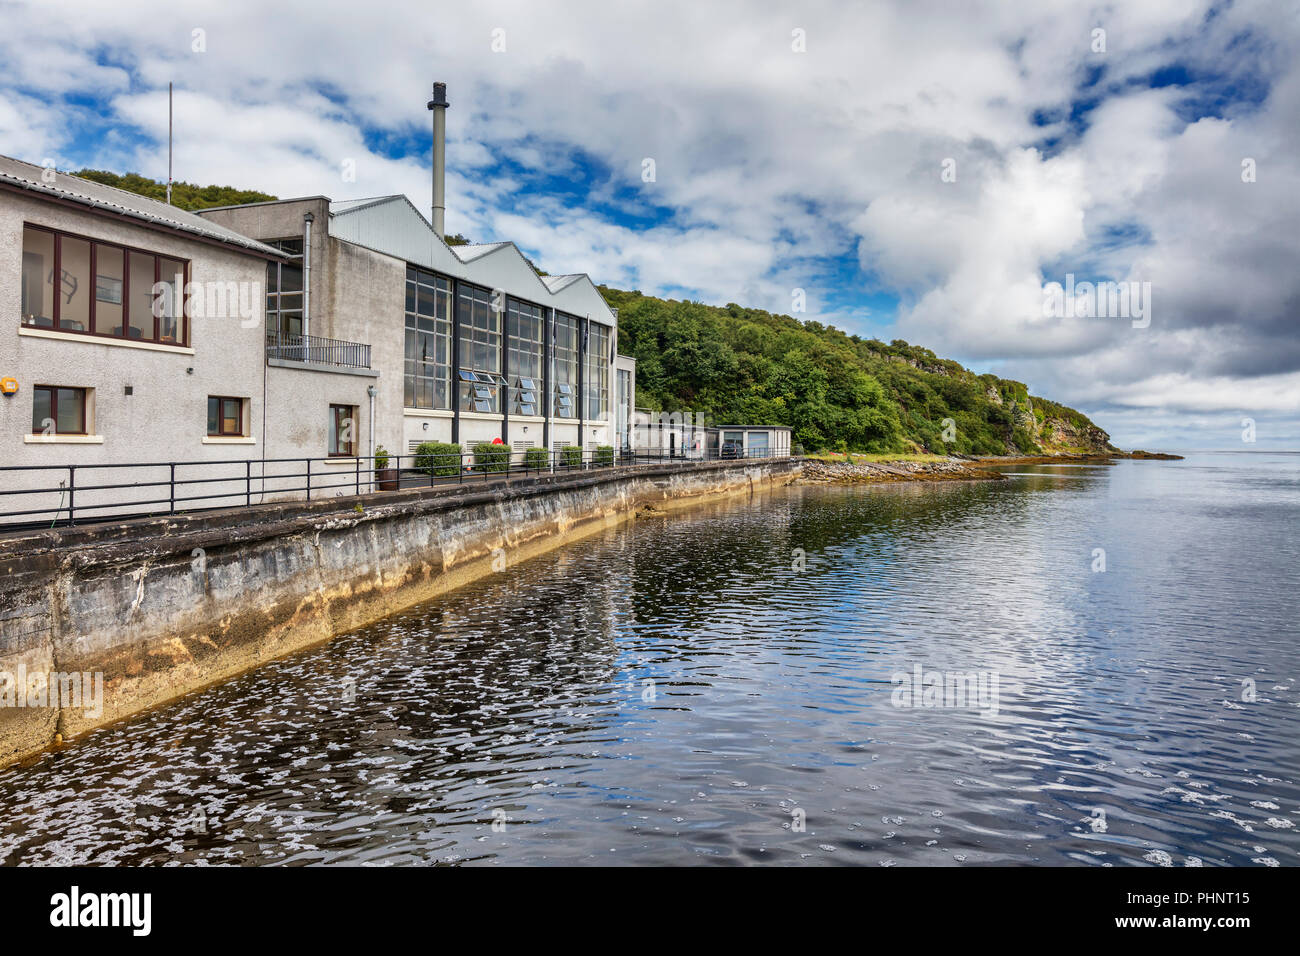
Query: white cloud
{"x": 770, "y": 161}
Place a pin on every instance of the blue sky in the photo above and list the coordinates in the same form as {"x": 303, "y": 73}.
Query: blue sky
{"x": 800, "y": 149}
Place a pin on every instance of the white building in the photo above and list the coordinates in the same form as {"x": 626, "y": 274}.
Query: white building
{"x": 136, "y": 336}
{"x": 471, "y": 343}
{"x": 264, "y": 351}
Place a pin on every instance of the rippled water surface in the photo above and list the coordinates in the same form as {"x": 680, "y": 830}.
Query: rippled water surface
{"x": 680, "y": 691}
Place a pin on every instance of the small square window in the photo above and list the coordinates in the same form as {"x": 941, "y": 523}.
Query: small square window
{"x": 58, "y": 410}
{"x": 225, "y": 417}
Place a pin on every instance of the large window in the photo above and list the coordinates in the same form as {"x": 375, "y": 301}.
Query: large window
{"x": 596, "y": 383}
{"x": 428, "y": 340}
{"x": 225, "y": 417}
{"x": 284, "y": 289}
{"x": 57, "y": 410}
{"x": 342, "y": 427}
{"x": 81, "y": 285}
{"x": 524, "y": 327}
{"x": 566, "y": 366}
{"x": 479, "y": 375}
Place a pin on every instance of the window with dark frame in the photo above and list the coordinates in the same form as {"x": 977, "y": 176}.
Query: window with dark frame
{"x": 596, "y": 383}
{"x": 525, "y": 327}
{"x": 284, "y": 290}
{"x": 427, "y": 380}
{"x": 58, "y": 410}
{"x": 76, "y": 284}
{"x": 342, "y": 427}
{"x": 225, "y": 417}
{"x": 566, "y": 366}
{"x": 479, "y": 375}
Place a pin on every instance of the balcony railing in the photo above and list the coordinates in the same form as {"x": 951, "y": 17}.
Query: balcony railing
{"x": 317, "y": 350}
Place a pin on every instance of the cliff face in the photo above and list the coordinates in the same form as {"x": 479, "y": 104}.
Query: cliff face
{"x": 1024, "y": 424}
{"x": 1053, "y": 432}
{"x": 1058, "y": 436}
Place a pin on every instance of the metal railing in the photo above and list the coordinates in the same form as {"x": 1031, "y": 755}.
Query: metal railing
{"x": 313, "y": 348}
{"x": 66, "y": 495}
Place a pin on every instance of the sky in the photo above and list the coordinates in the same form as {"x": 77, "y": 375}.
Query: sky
{"x": 920, "y": 170}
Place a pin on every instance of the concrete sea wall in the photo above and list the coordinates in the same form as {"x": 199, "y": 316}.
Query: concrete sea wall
{"x": 155, "y": 608}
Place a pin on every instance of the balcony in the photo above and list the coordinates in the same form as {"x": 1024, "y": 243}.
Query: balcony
{"x": 314, "y": 350}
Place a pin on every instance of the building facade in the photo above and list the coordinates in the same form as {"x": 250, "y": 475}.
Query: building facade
{"x": 471, "y": 344}
{"x": 260, "y": 352}
{"x": 677, "y": 435}
{"x": 136, "y": 337}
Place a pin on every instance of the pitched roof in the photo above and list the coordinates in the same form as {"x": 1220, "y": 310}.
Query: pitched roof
{"x": 556, "y": 283}
{"x": 394, "y": 226}
{"x": 477, "y": 250}
{"x": 351, "y": 205}
{"x": 44, "y": 181}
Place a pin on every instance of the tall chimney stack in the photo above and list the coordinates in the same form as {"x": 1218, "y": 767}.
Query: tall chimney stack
{"x": 439, "y": 107}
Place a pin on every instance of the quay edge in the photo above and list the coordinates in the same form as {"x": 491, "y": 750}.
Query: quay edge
{"x": 164, "y": 606}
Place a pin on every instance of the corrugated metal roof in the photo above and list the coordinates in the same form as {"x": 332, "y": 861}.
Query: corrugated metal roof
{"x": 348, "y": 205}
{"x": 95, "y": 195}
{"x": 393, "y": 226}
{"x": 556, "y": 283}
{"x": 477, "y": 250}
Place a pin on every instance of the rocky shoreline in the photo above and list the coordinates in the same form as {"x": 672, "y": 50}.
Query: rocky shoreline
{"x": 866, "y": 473}
{"x": 950, "y": 469}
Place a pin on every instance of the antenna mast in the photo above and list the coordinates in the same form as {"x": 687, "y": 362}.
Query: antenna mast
{"x": 169, "y": 144}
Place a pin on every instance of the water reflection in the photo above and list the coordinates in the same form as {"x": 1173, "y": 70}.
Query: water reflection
{"x": 688, "y": 689}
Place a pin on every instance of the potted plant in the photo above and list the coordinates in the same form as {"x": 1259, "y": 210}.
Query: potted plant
{"x": 385, "y": 477}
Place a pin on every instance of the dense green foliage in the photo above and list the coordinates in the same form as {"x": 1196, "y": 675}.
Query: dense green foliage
{"x": 184, "y": 195}
{"x": 439, "y": 459}
{"x": 491, "y": 457}
{"x": 571, "y": 456}
{"x": 836, "y": 391}
{"x": 536, "y": 458}
{"x": 603, "y": 456}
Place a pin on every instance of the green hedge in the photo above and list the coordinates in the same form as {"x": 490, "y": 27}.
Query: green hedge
{"x": 603, "y": 457}
{"x": 536, "y": 458}
{"x": 439, "y": 459}
{"x": 491, "y": 457}
{"x": 571, "y": 456}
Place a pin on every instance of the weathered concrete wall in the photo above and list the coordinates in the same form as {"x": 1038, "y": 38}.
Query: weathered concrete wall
{"x": 164, "y": 606}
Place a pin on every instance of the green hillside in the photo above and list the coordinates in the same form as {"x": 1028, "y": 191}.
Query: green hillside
{"x": 184, "y": 195}
{"x": 746, "y": 366}
{"x": 837, "y": 391}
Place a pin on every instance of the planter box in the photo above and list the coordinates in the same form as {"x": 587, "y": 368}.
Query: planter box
{"x": 386, "y": 479}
